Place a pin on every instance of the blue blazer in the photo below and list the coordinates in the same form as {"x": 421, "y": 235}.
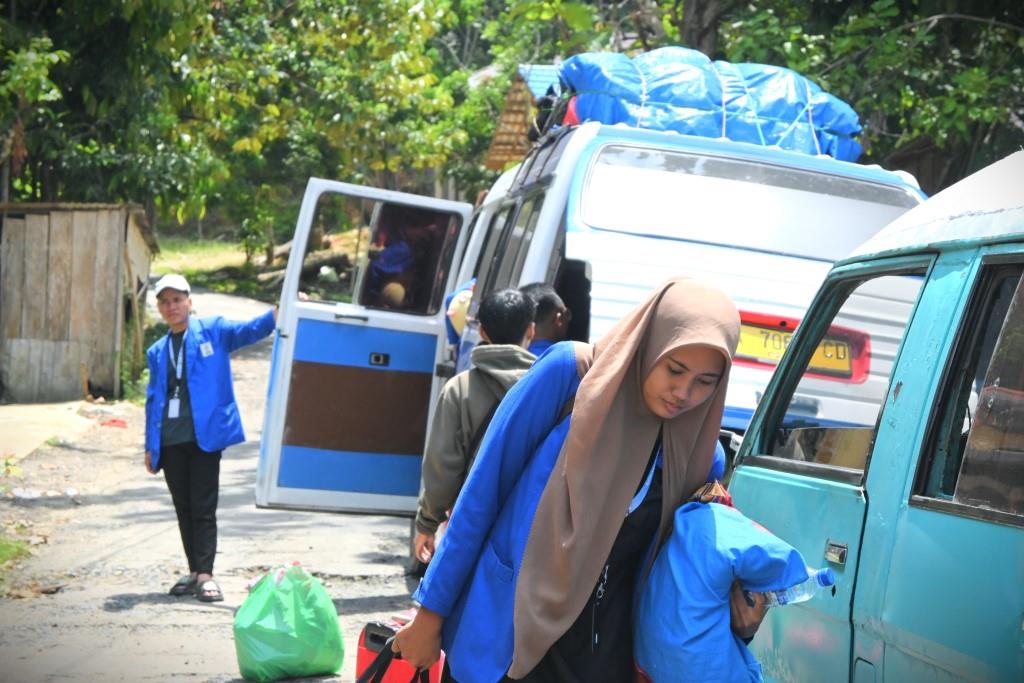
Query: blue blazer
{"x": 472, "y": 578}
{"x": 208, "y": 346}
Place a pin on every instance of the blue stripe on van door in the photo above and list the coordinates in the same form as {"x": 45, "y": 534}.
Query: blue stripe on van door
{"x": 345, "y": 344}
{"x": 348, "y": 471}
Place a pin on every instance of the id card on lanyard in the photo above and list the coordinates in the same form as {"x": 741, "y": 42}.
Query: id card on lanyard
{"x": 174, "y": 405}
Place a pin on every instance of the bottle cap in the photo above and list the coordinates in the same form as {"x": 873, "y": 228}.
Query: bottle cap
{"x": 825, "y": 577}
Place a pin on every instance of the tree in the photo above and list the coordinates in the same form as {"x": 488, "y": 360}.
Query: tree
{"x": 283, "y": 92}
{"x": 25, "y": 91}
{"x": 233, "y": 105}
{"x": 939, "y": 91}
{"x": 112, "y": 134}
{"x": 938, "y": 85}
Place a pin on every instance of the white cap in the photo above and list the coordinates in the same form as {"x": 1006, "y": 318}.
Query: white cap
{"x": 172, "y": 281}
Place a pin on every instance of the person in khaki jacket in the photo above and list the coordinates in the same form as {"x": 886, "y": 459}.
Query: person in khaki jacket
{"x": 466, "y": 405}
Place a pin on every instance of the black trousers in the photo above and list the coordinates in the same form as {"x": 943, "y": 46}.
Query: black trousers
{"x": 193, "y": 478}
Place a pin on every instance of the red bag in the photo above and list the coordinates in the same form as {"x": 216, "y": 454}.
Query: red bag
{"x": 374, "y": 652}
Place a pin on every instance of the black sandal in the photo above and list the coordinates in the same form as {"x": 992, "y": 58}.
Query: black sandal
{"x": 209, "y": 591}
{"x": 184, "y": 585}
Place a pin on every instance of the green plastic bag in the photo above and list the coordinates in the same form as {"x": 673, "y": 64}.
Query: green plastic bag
{"x": 288, "y": 628}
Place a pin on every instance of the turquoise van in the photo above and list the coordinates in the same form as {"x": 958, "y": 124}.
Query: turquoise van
{"x": 919, "y": 511}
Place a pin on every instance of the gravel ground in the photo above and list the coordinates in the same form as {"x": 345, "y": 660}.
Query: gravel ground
{"x": 91, "y": 602}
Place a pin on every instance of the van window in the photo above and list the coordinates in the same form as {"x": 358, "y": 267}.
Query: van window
{"x": 339, "y": 235}
{"x": 490, "y": 245}
{"x": 408, "y": 256}
{"x": 831, "y": 416}
{"x": 519, "y": 242}
{"x": 976, "y": 456}
{"x": 490, "y": 255}
{"x": 511, "y": 248}
{"x": 693, "y": 197}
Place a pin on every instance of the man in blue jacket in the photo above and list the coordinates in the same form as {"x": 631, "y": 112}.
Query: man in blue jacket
{"x": 191, "y": 416}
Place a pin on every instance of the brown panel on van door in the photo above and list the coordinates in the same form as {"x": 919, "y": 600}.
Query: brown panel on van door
{"x": 345, "y": 408}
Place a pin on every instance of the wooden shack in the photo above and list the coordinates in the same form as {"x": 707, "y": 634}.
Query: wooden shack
{"x": 72, "y": 285}
{"x": 510, "y": 143}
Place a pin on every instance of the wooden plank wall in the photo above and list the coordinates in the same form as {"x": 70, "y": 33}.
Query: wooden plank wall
{"x": 137, "y": 258}
{"x": 106, "y": 305}
{"x": 59, "y": 306}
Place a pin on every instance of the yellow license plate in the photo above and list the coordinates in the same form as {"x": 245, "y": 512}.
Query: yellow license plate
{"x": 765, "y": 345}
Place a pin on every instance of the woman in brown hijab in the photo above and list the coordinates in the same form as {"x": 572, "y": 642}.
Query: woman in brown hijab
{"x": 574, "y": 480}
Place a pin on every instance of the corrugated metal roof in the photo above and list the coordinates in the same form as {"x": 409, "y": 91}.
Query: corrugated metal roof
{"x": 539, "y": 77}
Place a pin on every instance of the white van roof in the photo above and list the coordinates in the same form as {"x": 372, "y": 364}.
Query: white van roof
{"x": 986, "y": 205}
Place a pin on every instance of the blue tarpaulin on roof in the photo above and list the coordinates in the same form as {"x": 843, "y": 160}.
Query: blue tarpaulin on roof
{"x": 680, "y": 89}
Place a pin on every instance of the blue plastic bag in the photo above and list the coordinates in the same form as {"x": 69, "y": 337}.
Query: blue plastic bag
{"x": 682, "y": 628}
{"x": 679, "y": 89}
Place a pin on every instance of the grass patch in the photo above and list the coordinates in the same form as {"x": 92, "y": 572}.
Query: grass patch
{"x": 219, "y": 266}
{"x": 187, "y": 256}
{"x": 212, "y": 265}
{"x": 12, "y": 549}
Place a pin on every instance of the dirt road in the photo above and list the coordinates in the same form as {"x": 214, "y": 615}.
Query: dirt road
{"x": 91, "y": 604}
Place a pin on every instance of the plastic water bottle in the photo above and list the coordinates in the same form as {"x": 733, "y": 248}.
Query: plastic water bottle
{"x": 816, "y": 580}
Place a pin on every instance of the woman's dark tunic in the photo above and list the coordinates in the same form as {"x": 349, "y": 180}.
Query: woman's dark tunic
{"x": 598, "y": 647}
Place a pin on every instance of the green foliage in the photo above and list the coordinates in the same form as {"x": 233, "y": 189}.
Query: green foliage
{"x": 188, "y": 105}
{"x": 26, "y": 79}
{"x": 25, "y": 90}
{"x": 543, "y": 30}
{"x": 8, "y": 470}
{"x": 917, "y": 76}
{"x": 133, "y": 388}
{"x": 12, "y": 549}
{"x": 113, "y": 135}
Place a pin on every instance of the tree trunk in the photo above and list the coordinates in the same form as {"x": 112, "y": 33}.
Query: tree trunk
{"x": 698, "y": 23}
{"x": 270, "y": 243}
{"x": 5, "y": 181}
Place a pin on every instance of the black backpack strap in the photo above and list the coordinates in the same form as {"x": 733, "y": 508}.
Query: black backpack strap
{"x": 474, "y": 443}
{"x": 482, "y": 429}
{"x": 499, "y": 393}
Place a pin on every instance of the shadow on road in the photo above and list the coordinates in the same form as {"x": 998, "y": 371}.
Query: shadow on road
{"x": 372, "y": 603}
{"x": 126, "y": 601}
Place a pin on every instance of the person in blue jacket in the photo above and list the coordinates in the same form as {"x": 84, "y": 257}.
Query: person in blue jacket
{"x": 573, "y": 489}
{"x": 191, "y": 416}
{"x": 553, "y": 316}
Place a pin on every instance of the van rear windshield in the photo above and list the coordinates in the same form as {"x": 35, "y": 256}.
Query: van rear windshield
{"x": 735, "y": 202}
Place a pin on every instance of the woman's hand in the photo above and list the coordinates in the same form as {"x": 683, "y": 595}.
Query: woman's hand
{"x": 746, "y": 619}
{"x": 419, "y": 641}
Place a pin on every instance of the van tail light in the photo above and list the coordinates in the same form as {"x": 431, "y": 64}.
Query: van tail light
{"x": 844, "y": 354}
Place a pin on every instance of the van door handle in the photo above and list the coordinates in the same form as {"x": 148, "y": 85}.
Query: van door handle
{"x": 835, "y": 552}
{"x": 351, "y": 316}
{"x": 444, "y": 370}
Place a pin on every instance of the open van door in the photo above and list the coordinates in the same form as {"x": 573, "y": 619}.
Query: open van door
{"x": 352, "y": 376}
